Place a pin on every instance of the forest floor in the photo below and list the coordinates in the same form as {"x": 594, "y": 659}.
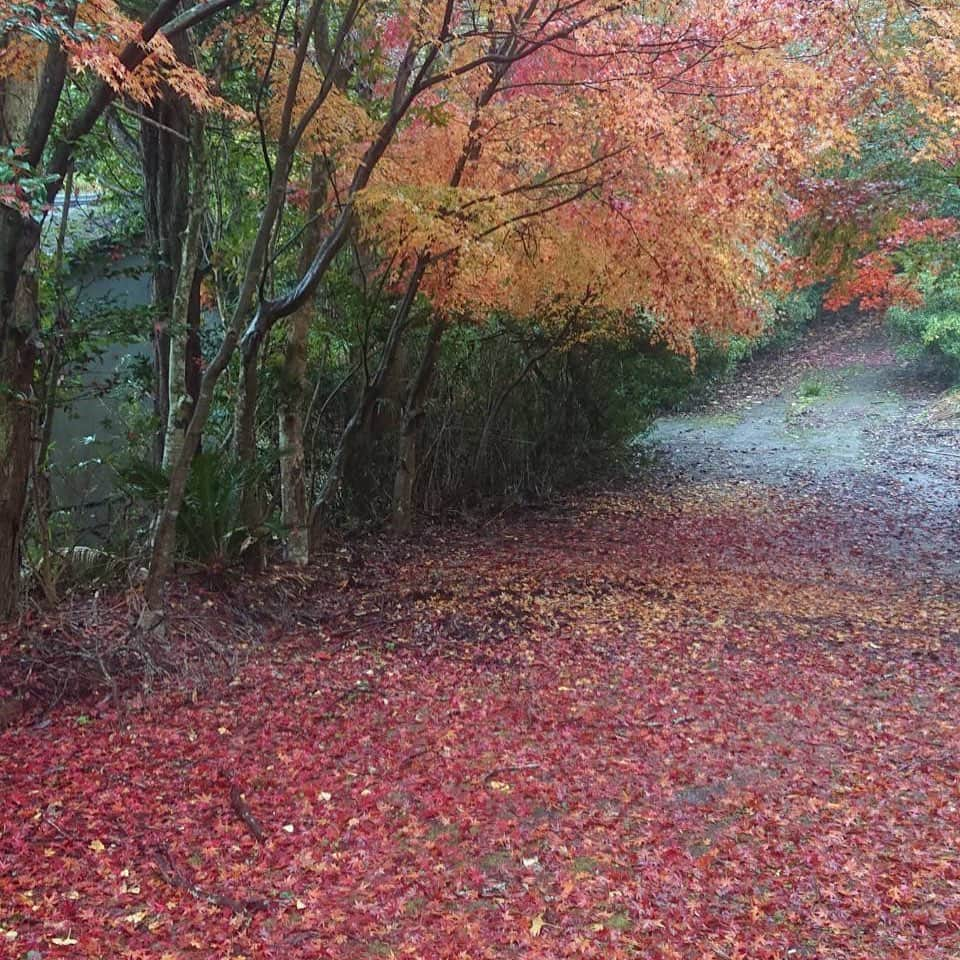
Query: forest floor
{"x": 712, "y": 714}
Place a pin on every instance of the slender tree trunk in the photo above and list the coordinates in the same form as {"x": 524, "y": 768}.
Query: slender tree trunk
{"x": 180, "y": 400}
{"x": 293, "y": 488}
{"x": 194, "y": 359}
{"x": 164, "y": 537}
{"x": 48, "y": 383}
{"x": 406, "y": 470}
{"x": 19, "y": 340}
{"x": 245, "y": 454}
{"x": 406, "y": 476}
{"x": 165, "y": 158}
{"x": 165, "y": 531}
{"x": 293, "y": 394}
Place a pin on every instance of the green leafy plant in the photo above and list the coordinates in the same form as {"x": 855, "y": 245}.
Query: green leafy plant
{"x": 21, "y": 187}
{"x": 811, "y": 388}
{"x": 208, "y": 528}
{"x": 933, "y": 329}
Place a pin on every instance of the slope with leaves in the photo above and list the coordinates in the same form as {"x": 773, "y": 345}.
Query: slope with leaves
{"x": 704, "y": 722}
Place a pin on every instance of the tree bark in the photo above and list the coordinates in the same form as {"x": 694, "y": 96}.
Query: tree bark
{"x": 19, "y": 329}
{"x": 165, "y": 530}
{"x": 165, "y": 157}
{"x": 404, "y": 484}
{"x": 293, "y": 394}
{"x": 245, "y": 454}
{"x": 18, "y": 356}
{"x": 47, "y": 381}
{"x": 180, "y": 399}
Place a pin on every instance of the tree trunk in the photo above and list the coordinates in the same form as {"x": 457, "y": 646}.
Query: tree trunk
{"x": 18, "y": 356}
{"x": 245, "y": 455}
{"x": 165, "y": 535}
{"x": 406, "y": 476}
{"x": 293, "y": 488}
{"x": 179, "y": 398}
{"x": 19, "y": 329}
{"x": 165, "y": 530}
{"x": 293, "y": 394}
{"x": 165, "y": 158}
{"x": 47, "y": 381}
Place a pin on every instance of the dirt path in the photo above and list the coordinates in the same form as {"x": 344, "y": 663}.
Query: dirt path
{"x": 838, "y": 417}
{"x": 713, "y": 719}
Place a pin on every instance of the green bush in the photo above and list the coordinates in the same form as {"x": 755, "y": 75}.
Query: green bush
{"x": 498, "y": 426}
{"x": 933, "y": 329}
{"x": 209, "y": 529}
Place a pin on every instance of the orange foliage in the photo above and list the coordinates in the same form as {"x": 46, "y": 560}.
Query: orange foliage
{"x": 94, "y": 44}
{"x": 875, "y": 284}
{"x": 646, "y": 163}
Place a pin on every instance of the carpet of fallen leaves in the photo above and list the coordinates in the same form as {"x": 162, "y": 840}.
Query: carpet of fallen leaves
{"x": 699, "y": 720}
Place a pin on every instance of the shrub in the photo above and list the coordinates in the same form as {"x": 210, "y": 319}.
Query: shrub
{"x": 209, "y": 529}
{"x": 933, "y": 329}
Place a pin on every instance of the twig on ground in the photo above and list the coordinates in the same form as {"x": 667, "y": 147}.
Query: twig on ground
{"x": 169, "y": 873}
{"x": 663, "y": 723}
{"x": 511, "y": 769}
{"x": 242, "y": 809}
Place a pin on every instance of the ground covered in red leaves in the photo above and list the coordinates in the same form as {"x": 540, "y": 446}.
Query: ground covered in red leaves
{"x": 713, "y": 718}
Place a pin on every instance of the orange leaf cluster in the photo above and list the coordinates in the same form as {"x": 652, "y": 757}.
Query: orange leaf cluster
{"x": 875, "y": 284}
{"x": 646, "y": 163}
{"x": 94, "y": 43}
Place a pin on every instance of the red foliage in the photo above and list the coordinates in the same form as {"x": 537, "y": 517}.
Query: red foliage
{"x": 914, "y": 230}
{"x": 874, "y": 284}
{"x": 682, "y": 725}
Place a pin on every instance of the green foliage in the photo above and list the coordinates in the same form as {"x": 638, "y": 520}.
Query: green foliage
{"x": 506, "y": 422}
{"x": 55, "y": 563}
{"x": 811, "y": 387}
{"x": 933, "y": 329}
{"x": 208, "y": 527}
{"x": 571, "y": 414}
{"x": 21, "y": 187}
